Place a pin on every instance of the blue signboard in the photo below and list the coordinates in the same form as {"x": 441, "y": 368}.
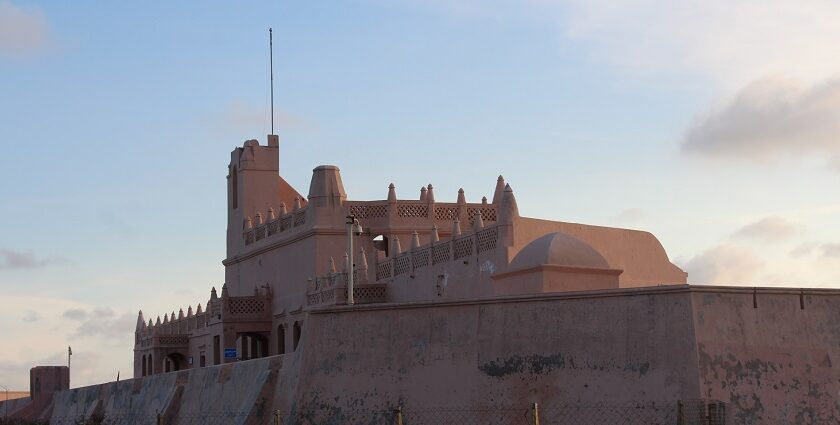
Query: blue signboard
{"x": 230, "y": 353}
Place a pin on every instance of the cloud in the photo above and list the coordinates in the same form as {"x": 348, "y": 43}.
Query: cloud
{"x": 31, "y": 316}
{"x": 105, "y": 324}
{"x": 12, "y": 260}
{"x": 831, "y": 250}
{"x": 826, "y": 251}
{"x": 23, "y": 31}
{"x": 630, "y": 216}
{"x": 768, "y": 229}
{"x": 75, "y": 314}
{"x": 723, "y": 264}
{"x": 771, "y": 118}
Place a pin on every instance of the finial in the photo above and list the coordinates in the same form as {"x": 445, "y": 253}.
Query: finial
{"x": 415, "y": 240}
{"x": 500, "y": 188}
{"x": 461, "y": 198}
{"x": 456, "y": 228}
{"x": 430, "y": 194}
{"x": 422, "y": 193}
{"x": 259, "y": 219}
{"x": 189, "y": 311}
{"x": 158, "y": 321}
{"x": 198, "y": 309}
{"x": 271, "y": 215}
{"x": 173, "y": 316}
{"x": 141, "y": 322}
{"x": 508, "y": 209}
{"x": 435, "y": 236}
{"x": 224, "y": 290}
{"x": 283, "y": 211}
{"x": 213, "y": 295}
{"x": 150, "y": 322}
{"x": 249, "y": 224}
{"x": 297, "y": 203}
{"x": 395, "y": 246}
{"x": 478, "y": 221}
{"x": 165, "y": 318}
{"x": 180, "y": 314}
{"x": 392, "y": 193}
{"x": 331, "y": 266}
{"x": 483, "y": 200}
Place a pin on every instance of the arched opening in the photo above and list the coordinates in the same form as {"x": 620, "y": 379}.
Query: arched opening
{"x": 143, "y": 367}
{"x": 150, "y": 370}
{"x": 173, "y": 362}
{"x": 252, "y": 346}
{"x": 295, "y": 335}
{"x": 381, "y": 243}
{"x": 281, "y": 339}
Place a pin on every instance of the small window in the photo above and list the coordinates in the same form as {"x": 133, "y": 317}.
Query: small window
{"x": 202, "y": 360}
{"x": 217, "y": 347}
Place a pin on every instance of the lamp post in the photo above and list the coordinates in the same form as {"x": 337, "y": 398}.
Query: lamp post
{"x": 353, "y": 228}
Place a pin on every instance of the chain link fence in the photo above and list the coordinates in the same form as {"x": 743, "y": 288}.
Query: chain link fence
{"x": 683, "y": 412}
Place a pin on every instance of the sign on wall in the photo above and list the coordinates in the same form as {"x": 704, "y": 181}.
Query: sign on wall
{"x": 230, "y": 353}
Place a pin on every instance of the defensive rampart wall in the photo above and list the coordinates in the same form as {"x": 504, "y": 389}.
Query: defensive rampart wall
{"x": 771, "y": 354}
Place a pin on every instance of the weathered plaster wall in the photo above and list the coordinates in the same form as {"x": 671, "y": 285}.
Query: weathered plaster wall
{"x": 776, "y": 362}
{"x": 473, "y": 354}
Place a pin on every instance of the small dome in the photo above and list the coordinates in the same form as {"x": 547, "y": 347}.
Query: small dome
{"x": 558, "y": 249}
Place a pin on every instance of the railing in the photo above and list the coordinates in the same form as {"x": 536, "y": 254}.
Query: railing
{"x": 440, "y": 252}
{"x": 411, "y": 209}
{"x": 273, "y": 227}
{"x": 365, "y": 293}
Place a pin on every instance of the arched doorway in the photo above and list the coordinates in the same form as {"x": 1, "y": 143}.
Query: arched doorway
{"x": 252, "y": 346}
{"x": 173, "y": 362}
{"x": 144, "y": 372}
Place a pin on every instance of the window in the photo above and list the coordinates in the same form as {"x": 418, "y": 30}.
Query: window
{"x": 281, "y": 339}
{"x": 296, "y": 335}
{"x": 234, "y": 188}
{"x": 217, "y": 347}
{"x": 202, "y": 360}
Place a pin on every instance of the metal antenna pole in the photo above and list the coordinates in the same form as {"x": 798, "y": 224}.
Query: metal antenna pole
{"x": 271, "y": 74}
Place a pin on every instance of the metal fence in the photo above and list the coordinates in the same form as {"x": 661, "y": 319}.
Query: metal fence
{"x": 683, "y": 412}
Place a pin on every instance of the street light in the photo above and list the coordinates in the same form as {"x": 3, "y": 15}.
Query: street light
{"x": 353, "y": 229}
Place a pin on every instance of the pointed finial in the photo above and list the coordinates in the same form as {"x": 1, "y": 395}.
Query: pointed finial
{"x": 392, "y": 193}
{"x": 282, "y": 210}
{"x": 500, "y": 188}
{"x": 331, "y": 266}
{"x": 435, "y": 236}
{"x": 456, "y": 228}
{"x": 478, "y": 221}
{"x": 165, "y": 318}
{"x": 259, "y": 219}
{"x": 271, "y": 215}
{"x": 297, "y": 203}
{"x": 508, "y": 210}
{"x": 483, "y": 200}
{"x": 430, "y": 194}
{"x": 213, "y": 295}
{"x": 395, "y": 246}
{"x": 140, "y": 320}
{"x": 422, "y": 193}
{"x": 150, "y": 322}
{"x": 180, "y": 314}
{"x": 415, "y": 240}
{"x": 461, "y": 198}
{"x": 198, "y": 309}
{"x": 224, "y": 290}
{"x": 158, "y": 320}
{"x": 173, "y": 316}
{"x": 189, "y": 311}
{"x": 249, "y": 224}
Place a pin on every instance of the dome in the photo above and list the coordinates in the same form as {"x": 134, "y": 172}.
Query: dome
{"x": 558, "y": 249}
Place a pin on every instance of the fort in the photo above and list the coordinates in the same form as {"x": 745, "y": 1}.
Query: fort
{"x": 335, "y": 309}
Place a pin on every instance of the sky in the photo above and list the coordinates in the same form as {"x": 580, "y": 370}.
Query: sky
{"x": 713, "y": 124}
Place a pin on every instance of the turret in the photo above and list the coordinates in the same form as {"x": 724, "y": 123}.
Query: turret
{"x": 141, "y": 322}
{"x": 500, "y": 189}
{"x": 326, "y": 188}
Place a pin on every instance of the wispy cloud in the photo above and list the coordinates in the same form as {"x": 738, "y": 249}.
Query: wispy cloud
{"x": 771, "y": 118}
{"x": 723, "y": 264}
{"x": 31, "y": 316}
{"x": 23, "y": 30}
{"x": 75, "y": 314}
{"x": 12, "y": 260}
{"x": 768, "y": 229}
{"x": 825, "y": 250}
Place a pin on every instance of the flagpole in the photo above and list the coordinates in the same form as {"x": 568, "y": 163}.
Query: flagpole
{"x": 271, "y": 74}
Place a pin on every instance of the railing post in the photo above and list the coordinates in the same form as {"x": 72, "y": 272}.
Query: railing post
{"x": 535, "y": 408}
{"x": 278, "y": 417}
{"x": 399, "y": 415}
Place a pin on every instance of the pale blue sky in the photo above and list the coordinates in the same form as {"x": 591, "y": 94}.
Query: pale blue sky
{"x": 713, "y": 126}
